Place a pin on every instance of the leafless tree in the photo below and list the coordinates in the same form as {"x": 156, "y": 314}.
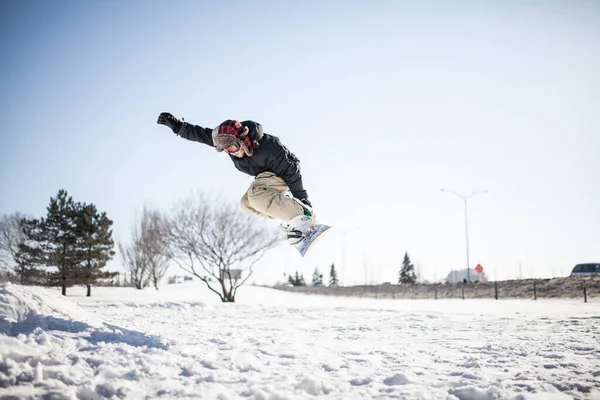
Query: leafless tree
{"x": 154, "y": 244}
{"x": 11, "y": 235}
{"x": 213, "y": 239}
{"x": 134, "y": 258}
{"x": 146, "y": 257}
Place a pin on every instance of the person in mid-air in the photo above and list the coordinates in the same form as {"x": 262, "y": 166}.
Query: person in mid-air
{"x": 277, "y": 191}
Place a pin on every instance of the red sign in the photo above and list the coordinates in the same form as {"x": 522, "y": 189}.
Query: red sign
{"x": 479, "y": 268}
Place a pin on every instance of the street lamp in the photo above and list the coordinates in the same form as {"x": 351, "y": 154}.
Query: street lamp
{"x": 465, "y": 198}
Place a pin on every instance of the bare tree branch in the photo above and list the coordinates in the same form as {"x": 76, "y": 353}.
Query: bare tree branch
{"x": 134, "y": 259}
{"x": 11, "y": 235}
{"x": 218, "y": 237}
{"x": 153, "y": 241}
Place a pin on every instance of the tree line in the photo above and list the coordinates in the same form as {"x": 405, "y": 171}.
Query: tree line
{"x": 206, "y": 237}
{"x": 72, "y": 244}
{"x": 407, "y": 275}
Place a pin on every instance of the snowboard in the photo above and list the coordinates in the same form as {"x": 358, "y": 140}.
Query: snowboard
{"x": 311, "y": 238}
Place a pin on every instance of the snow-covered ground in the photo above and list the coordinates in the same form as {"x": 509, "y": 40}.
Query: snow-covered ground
{"x": 180, "y": 342}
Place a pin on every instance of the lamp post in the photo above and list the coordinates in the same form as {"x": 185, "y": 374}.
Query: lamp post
{"x": 465, "y": 199}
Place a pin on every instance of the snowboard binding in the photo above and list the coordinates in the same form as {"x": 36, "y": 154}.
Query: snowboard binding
{"x": 302, "y": 232}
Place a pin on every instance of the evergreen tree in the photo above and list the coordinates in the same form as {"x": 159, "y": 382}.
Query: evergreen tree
{"x": 95, "y": 245}
{"x": 27, "y": 262}
{"x": 298, "y": 280}
{"x": 333, "y": 279}
{"x": 317, "y": 278}
{"x": 52, "y": 242}
{"x": 73, "y": 241}
{"x": 407, "y": 273}
{"x": 302, "y": 282}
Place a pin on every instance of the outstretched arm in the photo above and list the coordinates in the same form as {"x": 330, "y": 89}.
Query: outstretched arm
{"x": 196, "y": 133}
{"x": 187, "y": 131}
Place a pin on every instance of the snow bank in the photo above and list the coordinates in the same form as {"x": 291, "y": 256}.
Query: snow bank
{"x": 23, "y": 309}
{"x": 41, "y": 333}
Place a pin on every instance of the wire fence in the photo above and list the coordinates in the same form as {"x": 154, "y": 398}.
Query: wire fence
{"x": 584, "y": 288}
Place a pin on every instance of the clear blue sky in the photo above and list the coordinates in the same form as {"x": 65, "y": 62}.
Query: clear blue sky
{"x": 384, "y": 103}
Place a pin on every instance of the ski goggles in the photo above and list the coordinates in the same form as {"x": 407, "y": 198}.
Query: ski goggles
{"x": 233, "y": 148}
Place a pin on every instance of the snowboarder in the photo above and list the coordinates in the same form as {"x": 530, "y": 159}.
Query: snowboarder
{"x": 277, "y": 191}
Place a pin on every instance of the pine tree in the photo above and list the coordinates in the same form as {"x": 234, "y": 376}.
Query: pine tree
{"x": 302, "y": 282}
{"x": 29, "y": 258}
{"x": 333, "y": 279}
{"x": 298, "y": 280}
{"x": 95, "y": 245}
{"x": 52, "y": 242}
{"x": 407, "y": 273}
{"x": 317, "y": 278}
{"x": 73, "y": 241}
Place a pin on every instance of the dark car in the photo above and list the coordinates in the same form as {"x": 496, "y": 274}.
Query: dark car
{"x": 586, "y": 269}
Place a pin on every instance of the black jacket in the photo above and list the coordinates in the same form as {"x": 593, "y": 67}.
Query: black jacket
{"x": 270, "y": 155}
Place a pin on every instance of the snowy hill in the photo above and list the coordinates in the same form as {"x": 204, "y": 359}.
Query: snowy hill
{"x": 181, "y": 342}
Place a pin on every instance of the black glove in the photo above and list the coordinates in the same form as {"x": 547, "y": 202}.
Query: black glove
{"x": 305, "y": 201}
{"x": 169, "y": 120}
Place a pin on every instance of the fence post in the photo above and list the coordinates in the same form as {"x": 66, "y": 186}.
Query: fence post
{"x": 535, "y": 290}
{"x": 584, "y": 294}
{"x": 496, "y": 289}
{"x": 435, "y": 291}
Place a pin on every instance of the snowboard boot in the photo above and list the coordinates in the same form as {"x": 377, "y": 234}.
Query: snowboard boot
{"x": 298, "y": 228}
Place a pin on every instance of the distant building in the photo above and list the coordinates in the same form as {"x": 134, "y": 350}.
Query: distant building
{"x": 233, "y": 274}
{"x": 179, "y": 279}
{"x": 175, "y": 279}
{"x": 461, "y": 276}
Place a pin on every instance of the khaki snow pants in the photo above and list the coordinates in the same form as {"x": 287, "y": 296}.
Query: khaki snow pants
{"x": 265, "y": 198}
